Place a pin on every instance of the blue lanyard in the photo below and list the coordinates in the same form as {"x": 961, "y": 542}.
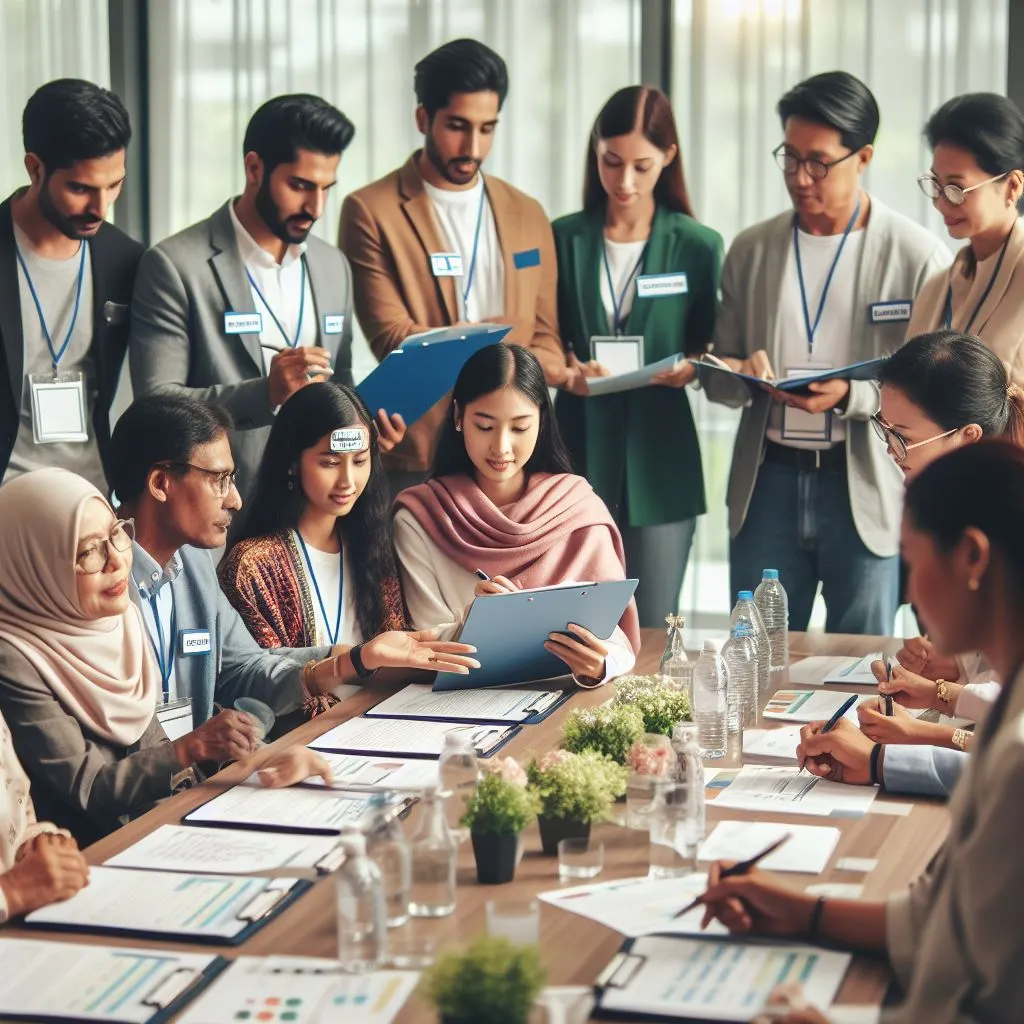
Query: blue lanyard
{"x": 618, "y": 320}
{"x": 476, "y": 247}
{"x": 947, "y": 313}
{"x": 811, "y": 328}
{"x": 319, "y": 597}
{"x": 56, "y": 356}
{"x": 273, "y": 315}
{"x": 163, "y": 646}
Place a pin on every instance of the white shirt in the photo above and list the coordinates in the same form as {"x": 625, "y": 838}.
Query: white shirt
{"x": 457, "y": 214}
{"x": 156, "y": 590}
{"x": 832, "y": 346}
{"x": 280, "y": 285}
{"x": 331, "y": 568}
{"x": 623, "y": 262}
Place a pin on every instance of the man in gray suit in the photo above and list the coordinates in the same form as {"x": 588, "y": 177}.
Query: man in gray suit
{"x": 246, "y": 307}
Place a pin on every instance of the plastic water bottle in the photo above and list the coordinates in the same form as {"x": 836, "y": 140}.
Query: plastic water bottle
{"x": 710, "y": 701}
{"x": 746, "y": 612}
{"x": 675, "y": 668}
{"x": 460, "y": 775}
{"x": 388, "y": 848}
{"x": 435, "y": 852}
{"x": 362, "y": 929}
{"x": 690, "y": 769}
{"x": 773, "y": 604}
{"x": 740, "y": 656}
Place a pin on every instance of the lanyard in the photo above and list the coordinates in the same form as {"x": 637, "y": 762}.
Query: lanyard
{"x": 476, "y": 247}
{"x": 947, "y": 313}
{"x": 319, "y": 597}
{"x": 273, "y": 315}
{"x": 618, "y": 319}
{"x": 56, "y": 356}
{"x": 163, "y": 646}
{"x": 811, "y": 328}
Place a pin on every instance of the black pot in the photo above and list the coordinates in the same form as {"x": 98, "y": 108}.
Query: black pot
{"x": 554, "y": 830}
{"x": 495, "y": 858}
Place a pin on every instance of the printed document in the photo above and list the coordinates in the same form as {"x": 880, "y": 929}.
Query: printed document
{"x": 819, "y": 670}
{"x": 490, "y": 705}
{"x": 769, "y": 788}
{"x": 779, "y": 744}
{"x": 401, "y": 736}
{"x": 808, "y": 849}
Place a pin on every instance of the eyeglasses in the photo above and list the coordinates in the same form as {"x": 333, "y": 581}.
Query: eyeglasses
{"x": 96, "y": 555}
{"x": 817, "y": 169}
{"x": 897, "y": 444}
{"x": 222, "y": 479}
{"x": 955, "y": 195}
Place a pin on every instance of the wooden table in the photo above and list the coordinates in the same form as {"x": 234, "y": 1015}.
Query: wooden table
{"x": 573, "y": 949}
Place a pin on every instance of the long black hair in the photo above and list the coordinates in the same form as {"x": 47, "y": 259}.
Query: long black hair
{"x": 301, "y": 422}
{"x": 489, "y": 370}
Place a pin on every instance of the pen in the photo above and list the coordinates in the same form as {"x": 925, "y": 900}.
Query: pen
{"x": 481, "y": 575}
{"x": 834, "y": 720}
{"x": 889, "y": 710}
{"x": 741, "y": 868}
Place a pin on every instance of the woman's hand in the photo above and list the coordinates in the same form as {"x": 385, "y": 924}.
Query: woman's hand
{"x": 583, "y": 652}
{"x": 390, "y": 430}
{"x": 902, "y": 727}
{"x": 577, "y": 374}
{"x": 419, "y": 650}
{"x": 787, "y": 1005}
{"x": 495, "y": 585}
{"x": 678, "y": 377}
{"x": 843, "y": 754}
{"x": 228, "y": 736}
{"x": 918, "y": 655}
{"x": 756, "y": 904}
{"x": 52, "y": 871}
{"x": 288, "y": 767}
{"x": 906, "y": 688}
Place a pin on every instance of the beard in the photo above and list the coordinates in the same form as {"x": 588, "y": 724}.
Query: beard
{"x": 284, "y": 228}
{"x": 82, "y": 226}
{"x": 447, "y": 168}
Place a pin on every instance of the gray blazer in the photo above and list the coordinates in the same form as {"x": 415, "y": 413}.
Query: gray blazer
{"x": 897, "y": 257}
{"x": 185, "y": 285}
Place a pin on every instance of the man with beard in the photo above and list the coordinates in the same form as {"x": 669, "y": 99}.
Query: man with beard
{"x": 65, "y": 283}
{"x": 436, "y": 243}
{"x": 246, "y": 307}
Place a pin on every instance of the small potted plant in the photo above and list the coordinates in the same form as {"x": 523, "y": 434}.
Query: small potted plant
{"x": 662, "y": 706}
{"x": 610, "y": 729}
{"x": 492, "y": 980}
{"x": 648, "y": 760}
{"x": 497, "y": 812}
{"x": 575, "y": 790}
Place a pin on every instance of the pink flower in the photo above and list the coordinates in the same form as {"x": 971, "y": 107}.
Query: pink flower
{"x": 552, "y": 758}
{"x": 509, "y": 769}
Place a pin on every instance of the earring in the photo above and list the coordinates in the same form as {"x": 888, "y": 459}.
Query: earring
{"x": 973, "y": 585}
{"x": 458, "y": 428}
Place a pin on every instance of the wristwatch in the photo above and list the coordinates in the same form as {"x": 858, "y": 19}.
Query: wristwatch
{"x": 962, "y": 739}
{"x": 943, "y": 692}
{"x": 185, "y": 779}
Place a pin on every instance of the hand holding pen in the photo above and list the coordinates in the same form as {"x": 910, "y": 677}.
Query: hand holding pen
{"x": 834, "y": 720}
{"x": 493, "y": 585}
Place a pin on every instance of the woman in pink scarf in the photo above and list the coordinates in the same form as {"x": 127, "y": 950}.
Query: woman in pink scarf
{"x": 502, "y": 499}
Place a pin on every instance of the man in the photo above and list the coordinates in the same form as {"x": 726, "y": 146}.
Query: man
{"x": 434, "y": 243}
{"x": 66, "y": 280}
{"x": 246, "y": 307}
{"x": 812, "y": 491}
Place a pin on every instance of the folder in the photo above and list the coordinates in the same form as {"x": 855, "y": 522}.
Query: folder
{"x": 414, "y": 377}
{"x": 868, "y": 369}
{"x": 509, "y": 630}
{"x": 420, "y": 703}
{"x": 403, "y": 737}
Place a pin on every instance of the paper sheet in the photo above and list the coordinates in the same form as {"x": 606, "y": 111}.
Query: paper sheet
{"x": 490, "y": 705}
{"x": 778, "y": 744}
{"x": 300, "y": 990}
{"x": 809, "y": 705}
{"x": 818, "y": 670}
{"x": 355, "y": 772}
{"x": 631, "y": 381}
{"x": 97, "y": 983}
{"x": 399, "y": 736}
{"x": 787, "y": 790}
{"x": 808, "y": 850}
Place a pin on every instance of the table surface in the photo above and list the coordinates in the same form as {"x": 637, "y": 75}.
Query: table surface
{"x": 574, "y": 950}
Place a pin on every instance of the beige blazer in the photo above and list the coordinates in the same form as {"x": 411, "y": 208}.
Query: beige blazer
{"x": 1000, "y": 319}
{"x": 388, "y": 231}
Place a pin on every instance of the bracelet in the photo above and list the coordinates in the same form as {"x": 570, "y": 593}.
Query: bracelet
{"x": 876, "y": 752}
{"x": 815, "y": 925}
{"x": 356, "y": 657}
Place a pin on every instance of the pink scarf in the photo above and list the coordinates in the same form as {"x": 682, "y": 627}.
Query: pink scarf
{"x": 558, "y": 530}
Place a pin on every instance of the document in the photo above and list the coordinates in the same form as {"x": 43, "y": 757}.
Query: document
{"x": 631, "y": 381}
{"x": 402, "y": 736}
{"x": 808, "y": 705}
{"x": 355, "y": 773}
{"x": 766, "y": 788}
{"x": 715, "y": 979}
{"x": 808, "y": 849}
{"x": 300, "y": 990}
{"x": 818, "y": 671}
{"x": 710, "y": 366}
{"x": 777, "y": 744}
{"x": 490, "y": 705}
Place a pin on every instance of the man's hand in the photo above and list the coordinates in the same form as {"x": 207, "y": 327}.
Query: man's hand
{"x": 843, "y": 754}
{"x": 50, "y": 873}
{"x": 294, "y": 368}
{"x": 825, "y": 396}
{"x": 390, "y": 430}
{"x": 228, "y": 736}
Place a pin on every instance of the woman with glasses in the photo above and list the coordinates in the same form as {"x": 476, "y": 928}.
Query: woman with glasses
{"x": 976, "y": 182}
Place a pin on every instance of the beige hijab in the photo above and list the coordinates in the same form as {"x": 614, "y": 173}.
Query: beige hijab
{"x": 100, "y": 670}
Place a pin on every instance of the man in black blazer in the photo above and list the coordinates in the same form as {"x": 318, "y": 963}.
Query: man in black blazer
{"x": 66, "y": 279}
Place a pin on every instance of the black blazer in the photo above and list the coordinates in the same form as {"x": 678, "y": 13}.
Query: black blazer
{"x": 114, "y": 258}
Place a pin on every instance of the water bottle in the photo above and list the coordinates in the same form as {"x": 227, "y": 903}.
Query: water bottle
{"x": 387, "y": 847}
{"x": 740, "y": 656}
{"x": 686, "y": 745}
{"x": 676, "y": 669}
{"x": 710, "y": 701}
{"x": 362, "y": 929}
{"x": 773, "y": 604}
{"x": 434, "y": 854}
{"x": 460, "y": 775}
{"x": 746, "y": 612}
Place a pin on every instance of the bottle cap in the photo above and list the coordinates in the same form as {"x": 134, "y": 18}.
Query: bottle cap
{"x": 770, "y": 574}
{"x": 745, "y": 595}
{"x": 711, "y": 645}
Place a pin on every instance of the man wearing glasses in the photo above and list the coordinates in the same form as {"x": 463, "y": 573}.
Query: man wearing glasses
{"x": 812, "y": 491}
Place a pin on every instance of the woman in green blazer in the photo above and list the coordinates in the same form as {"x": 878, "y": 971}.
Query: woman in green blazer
{"x": 635, "y": 263}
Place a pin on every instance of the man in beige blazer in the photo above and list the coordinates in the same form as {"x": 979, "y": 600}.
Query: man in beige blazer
{"x": 435, "y": 243}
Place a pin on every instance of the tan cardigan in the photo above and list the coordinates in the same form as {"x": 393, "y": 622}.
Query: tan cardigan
{"x": 1000, "y": 320}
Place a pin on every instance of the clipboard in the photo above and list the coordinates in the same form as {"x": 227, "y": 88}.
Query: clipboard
{"x": 414, "y": 377}
{"x": 487, "y": 739}
{"x": 509, "y": 630}
{"x": 545, "y": 702}
{"x": 865, "y": 370}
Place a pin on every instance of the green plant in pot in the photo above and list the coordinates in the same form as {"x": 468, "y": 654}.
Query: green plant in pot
{"x": 663, "y": 707}
{"x": 492, "y": 980}
{"x": 575, "y": 790}
{"x": 609, "y": 729}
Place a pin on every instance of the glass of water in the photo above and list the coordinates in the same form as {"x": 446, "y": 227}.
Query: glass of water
{"x": 674, "y": 830}
{"x": 579, "y": 858}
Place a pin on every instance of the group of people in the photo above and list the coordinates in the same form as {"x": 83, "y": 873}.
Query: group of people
{"x": 355, "y": 543}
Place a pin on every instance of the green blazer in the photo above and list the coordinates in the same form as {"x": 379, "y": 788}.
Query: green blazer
{"x": 638, "y": 449}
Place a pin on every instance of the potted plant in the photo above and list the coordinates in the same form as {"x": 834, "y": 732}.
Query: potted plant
{"x": 575, "y": 790}
{"x": 662, "y": 706}
{"x": 497, "y": 812}
{"x": 610, "y": 729}
{"x": 492, "y": 980}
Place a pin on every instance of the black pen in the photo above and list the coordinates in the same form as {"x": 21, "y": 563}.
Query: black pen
{"x": 890, "y": 711}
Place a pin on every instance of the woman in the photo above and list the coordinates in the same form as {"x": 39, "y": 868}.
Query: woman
{"x": 634, "y": 262}
{"x": 977, "y": 183}
{"x": 502, "y": 499}
{"x": 954, "y": 938}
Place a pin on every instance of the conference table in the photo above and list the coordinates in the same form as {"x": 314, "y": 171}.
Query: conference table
{"x": 574, "y": 950}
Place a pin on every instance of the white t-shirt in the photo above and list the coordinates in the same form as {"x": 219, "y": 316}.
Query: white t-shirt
{"x": 624, "y": 264}
{"x": 832, "y": 347}
{"x": 457, "y": 215}
{"x": 330, "y": 569}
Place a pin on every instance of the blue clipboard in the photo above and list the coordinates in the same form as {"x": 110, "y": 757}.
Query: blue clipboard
{"x": 865, "y": 370}
{"x": 413, "y": 378}
{"x": 509, "y": 631}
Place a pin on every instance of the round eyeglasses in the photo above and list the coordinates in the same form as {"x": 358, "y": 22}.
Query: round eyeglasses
{"x": 955, "y": 195}
{"x": 96, "y": 553}
{"x": 897, "y": 444}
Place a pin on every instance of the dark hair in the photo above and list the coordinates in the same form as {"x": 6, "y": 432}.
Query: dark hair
{"x": 284, "y": 125}
{"x": 69, "y": 119}
{"x": 160, "y": 428}
{"x": 837, "y": 100}
{"x": 463, "y": 65}
{"x": 311, "y": 413}
{"x": 489, "y": 370}
{"x": 955, "y": 379}
{"x": 619, "y": 116}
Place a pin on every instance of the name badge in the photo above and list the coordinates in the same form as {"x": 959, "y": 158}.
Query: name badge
{"x": 526, "y": 259}
{"x": 655, "y": 286}
{"x": 58, "y": 408}
{"x": 243, "y": 323}
{"x": 194, "y": 641}
{"x": 446, "y": 264}
{"x": 334, "y": 323}
{"x": 890, "y": 312}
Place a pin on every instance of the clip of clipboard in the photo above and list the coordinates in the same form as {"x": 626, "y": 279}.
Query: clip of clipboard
{"x": 180, "y": 987}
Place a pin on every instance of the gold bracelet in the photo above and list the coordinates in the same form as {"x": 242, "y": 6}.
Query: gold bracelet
{"x": 962, "y": 739}
{"x": 943, "y": 692}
